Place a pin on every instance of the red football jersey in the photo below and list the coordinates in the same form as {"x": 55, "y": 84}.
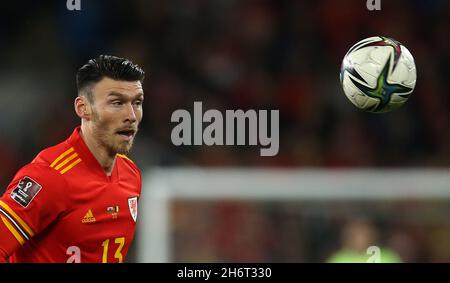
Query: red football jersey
{"x": 62, "y": 207}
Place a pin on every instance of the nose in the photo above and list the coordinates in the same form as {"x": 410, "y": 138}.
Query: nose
{"x": 130, "y": 114}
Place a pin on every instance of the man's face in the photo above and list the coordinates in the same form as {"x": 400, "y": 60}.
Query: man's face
{"x": 116, "y": 113}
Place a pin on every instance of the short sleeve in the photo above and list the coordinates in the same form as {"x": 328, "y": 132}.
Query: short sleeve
{"x": 33, "y": 200}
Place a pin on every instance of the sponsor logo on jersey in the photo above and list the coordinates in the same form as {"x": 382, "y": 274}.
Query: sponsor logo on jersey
{"x": 25, "y": 191}
{"x": 132, "y": 204}
{"x": 88, "y": 217}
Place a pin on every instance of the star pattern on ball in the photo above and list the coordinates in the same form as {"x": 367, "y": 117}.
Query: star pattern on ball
{"x": 383, "y": 90}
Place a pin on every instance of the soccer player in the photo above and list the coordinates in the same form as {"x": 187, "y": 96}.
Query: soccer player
{"x": 77, "y": 201}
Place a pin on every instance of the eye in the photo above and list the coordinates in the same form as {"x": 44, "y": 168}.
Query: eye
{"x": 116, "y": 102}
{"x": 138, "y": 102}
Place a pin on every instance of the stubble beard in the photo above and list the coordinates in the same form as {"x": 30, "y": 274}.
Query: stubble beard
{"x": 107, "y": 137}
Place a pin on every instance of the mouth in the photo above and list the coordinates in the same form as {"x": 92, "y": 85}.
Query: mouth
{"x": 126, "y": 134}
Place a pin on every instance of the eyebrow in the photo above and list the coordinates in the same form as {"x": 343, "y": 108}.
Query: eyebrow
{"x": 118, "y": 94}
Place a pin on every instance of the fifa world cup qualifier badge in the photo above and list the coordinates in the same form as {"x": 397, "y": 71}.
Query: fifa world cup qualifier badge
{"x": 132, "y": 204}
{"x": 25, "y": 191}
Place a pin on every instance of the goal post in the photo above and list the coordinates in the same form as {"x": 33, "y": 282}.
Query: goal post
{"x": 164, "y": 185}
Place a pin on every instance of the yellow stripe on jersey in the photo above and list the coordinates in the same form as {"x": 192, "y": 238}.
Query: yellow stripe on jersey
{"x": 13, "y": 230}
{"x": 70, "y": 166}
{"x": 61, "y": 156}
{"x": 17, "y": 218}
{"x": 124, "y": 156}
{"x": 66, "y": 161}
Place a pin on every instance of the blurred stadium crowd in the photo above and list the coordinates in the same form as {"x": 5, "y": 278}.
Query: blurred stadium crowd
{"x": 229, "y": 54}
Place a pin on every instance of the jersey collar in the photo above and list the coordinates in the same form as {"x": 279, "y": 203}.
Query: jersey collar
{"x": 88, "y": 158}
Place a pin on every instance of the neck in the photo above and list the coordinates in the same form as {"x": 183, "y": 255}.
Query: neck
{"x": 103, "y": 156}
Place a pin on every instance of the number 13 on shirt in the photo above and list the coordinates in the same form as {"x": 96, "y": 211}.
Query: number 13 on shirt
{"x": 118, "y": 253}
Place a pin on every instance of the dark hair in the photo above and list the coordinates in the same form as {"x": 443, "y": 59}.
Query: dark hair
{"x": 109, "y": 66}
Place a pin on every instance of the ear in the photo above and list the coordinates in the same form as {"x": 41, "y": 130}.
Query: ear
{"x": 82, "y": 108}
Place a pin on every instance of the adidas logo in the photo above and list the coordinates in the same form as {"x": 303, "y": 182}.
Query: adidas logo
{"x": 88, "y": 217}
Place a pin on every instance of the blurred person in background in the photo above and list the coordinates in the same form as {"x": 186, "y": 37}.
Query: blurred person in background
{"x": 77, "y": 201}
{"x": 359, "y": 245}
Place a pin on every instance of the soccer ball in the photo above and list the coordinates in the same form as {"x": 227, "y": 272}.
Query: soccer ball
{"x": 378, "y": 74}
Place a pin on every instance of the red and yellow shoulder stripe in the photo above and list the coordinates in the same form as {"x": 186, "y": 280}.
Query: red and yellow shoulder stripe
{"x": 20, "y": 230}
{"x": 125, "y": 157}
{"x": 66, "y": 161}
